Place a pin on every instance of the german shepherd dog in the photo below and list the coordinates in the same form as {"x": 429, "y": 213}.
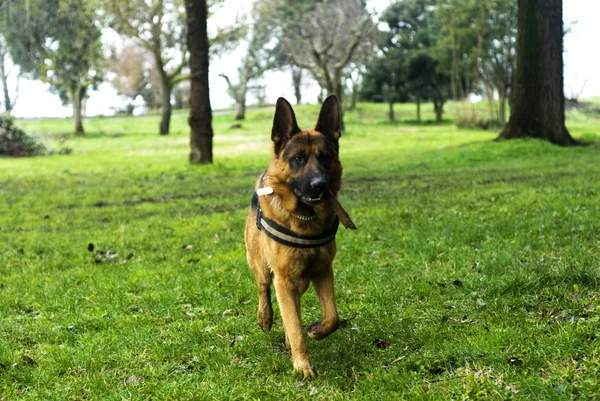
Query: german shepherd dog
{"x": 291, "y": 225}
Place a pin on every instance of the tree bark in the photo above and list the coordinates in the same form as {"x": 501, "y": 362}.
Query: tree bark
{"x": 391, "y": 111}
{"x": 538, "y": 108}
{"x": 240, "y": 109}
{"x": 77, "y": 100}
{"x": 438, "y": 107}
{"x": 338, "y": 90}
{"x": 4, "y": 80}
{"x": 165, "y": 120}
{"x": 418, "y": 108}
{"x": 502, "y": 107}
{"x": 200, "y": 119}
{"x": 297, "y": 82}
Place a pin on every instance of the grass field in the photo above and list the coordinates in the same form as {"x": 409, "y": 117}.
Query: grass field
{"x": 474, "y": 273}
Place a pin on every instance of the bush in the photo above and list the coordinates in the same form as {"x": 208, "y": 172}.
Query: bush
{"x": 16, "y": 142}
{"x": 474, "y": 118}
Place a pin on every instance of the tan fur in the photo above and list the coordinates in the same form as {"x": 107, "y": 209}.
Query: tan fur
{"x": 291, "y": 270}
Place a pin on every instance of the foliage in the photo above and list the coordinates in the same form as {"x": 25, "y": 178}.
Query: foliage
{"x": 159, "y": 27}
{"x": 132, "y": 73}
{"x": 473, "y": 274}
{"x": 16, "y": 142}
{"x": 470, "y": 42}
{"x": 58, "y": 42}
{"x": 427, "y": 82}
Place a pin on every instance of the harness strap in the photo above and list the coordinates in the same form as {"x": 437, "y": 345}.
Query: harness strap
{"x": 287, "y": 237}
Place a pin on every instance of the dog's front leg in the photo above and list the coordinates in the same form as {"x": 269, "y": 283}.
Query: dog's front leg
{"x": 323, "y": 283}
{"x": 288, "y": 296}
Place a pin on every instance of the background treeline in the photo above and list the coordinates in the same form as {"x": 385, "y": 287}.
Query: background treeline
{"x": 416, "y": 50}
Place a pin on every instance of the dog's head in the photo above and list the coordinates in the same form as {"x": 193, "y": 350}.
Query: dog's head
{"x": 307, "y": 160}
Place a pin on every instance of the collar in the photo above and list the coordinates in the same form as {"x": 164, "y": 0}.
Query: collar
{"x": 287, "y": 237}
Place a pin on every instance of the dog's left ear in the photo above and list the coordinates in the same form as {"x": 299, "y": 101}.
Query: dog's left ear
{"x": 329, "y": 118}
{"x": 284, "y": 124}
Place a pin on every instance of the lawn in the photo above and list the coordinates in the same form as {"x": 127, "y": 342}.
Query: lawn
{"x": 474, "y": 272}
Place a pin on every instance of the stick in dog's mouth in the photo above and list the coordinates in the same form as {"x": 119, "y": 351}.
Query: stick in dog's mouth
{"x": 341, "y": 212}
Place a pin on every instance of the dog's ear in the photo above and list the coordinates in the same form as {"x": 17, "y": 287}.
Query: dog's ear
{"x": 284, "y": 124}
{"x": 329, "y": 118}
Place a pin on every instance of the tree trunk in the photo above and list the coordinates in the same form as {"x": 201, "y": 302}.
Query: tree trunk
{"x": 4, "y": 80}
{"x": 240, "y": 109}
{"x": 438, "y": 107}
{"x": 539, "y": 101}
{"x": 338, "y": 90}
{"x": 418, "y": 108}
{"x": 77, "y": 101}
{"x": 200, "y": 119}
{"x": 391, "y": 111}
{"x": 165, "y": 120}
{"x": 502, "y": 107}
{"x": 297, "y": 81}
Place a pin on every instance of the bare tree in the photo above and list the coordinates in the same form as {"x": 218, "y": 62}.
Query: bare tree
{"x": 323, "y": 37}
{"x": 255, "y": 62}
{"x": 131, "y": 67}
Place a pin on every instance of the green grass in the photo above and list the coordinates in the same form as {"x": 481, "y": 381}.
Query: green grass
{"x": 474, "y": 273}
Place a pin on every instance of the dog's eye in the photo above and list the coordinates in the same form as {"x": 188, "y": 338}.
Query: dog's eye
{"x": 298, "y": 158}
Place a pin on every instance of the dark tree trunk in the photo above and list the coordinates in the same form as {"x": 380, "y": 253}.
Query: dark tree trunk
{"x": 391, "y": 111}
{"x": 200, "y": 119}
{"x": 338, "y": 90}
{"x": 438, "y": 107}
{"x": 165, "y": 120}
{"x": 538, "y": 108}
{"x": 418, "y": 108}
{"x": 297, "y": 81}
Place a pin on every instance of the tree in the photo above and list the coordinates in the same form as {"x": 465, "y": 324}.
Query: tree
{"x": 200, "y": 119}
{"x": 539, "y": 103}
{"x": 322, "y": 37}
{"x": 498, "y": 60}
{"x": 255, "y": 62}
{"x": 158, "y": 26}
{"x": 132, "y": 73}
{"x": 428, "y": 83}
{"x": 58, "y": 42}
{"x": 385, "y": 78}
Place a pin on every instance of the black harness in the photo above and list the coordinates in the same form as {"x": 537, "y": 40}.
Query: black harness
{"x": 287, "y": 237}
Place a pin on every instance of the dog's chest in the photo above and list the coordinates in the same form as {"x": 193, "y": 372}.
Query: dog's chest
{"x": 295, "y": 262}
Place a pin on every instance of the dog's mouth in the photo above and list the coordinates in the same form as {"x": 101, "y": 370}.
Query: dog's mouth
{"x": 308, "y": 200}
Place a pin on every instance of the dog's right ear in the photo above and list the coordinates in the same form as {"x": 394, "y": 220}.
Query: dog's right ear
{"x": 284, "y": 124}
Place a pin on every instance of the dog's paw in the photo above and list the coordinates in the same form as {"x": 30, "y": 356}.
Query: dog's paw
{"x": 304, "y": 368}
{"x": 318, "y": 331}
{"x": 265, "y": 320}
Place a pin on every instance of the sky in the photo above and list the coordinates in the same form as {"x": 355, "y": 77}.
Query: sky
{"x": 582, "y": 64}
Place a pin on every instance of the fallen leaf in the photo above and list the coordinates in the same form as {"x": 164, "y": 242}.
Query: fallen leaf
{"x": 134, "y": 380}
{"x": 28, "y": 361}
{"x": 513, "y": 388}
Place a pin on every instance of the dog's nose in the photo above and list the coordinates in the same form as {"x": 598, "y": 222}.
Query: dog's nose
{"x": 318, "y": 184}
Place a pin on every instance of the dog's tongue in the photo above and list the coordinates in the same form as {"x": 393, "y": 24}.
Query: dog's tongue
{"x": 342, "y": 213}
